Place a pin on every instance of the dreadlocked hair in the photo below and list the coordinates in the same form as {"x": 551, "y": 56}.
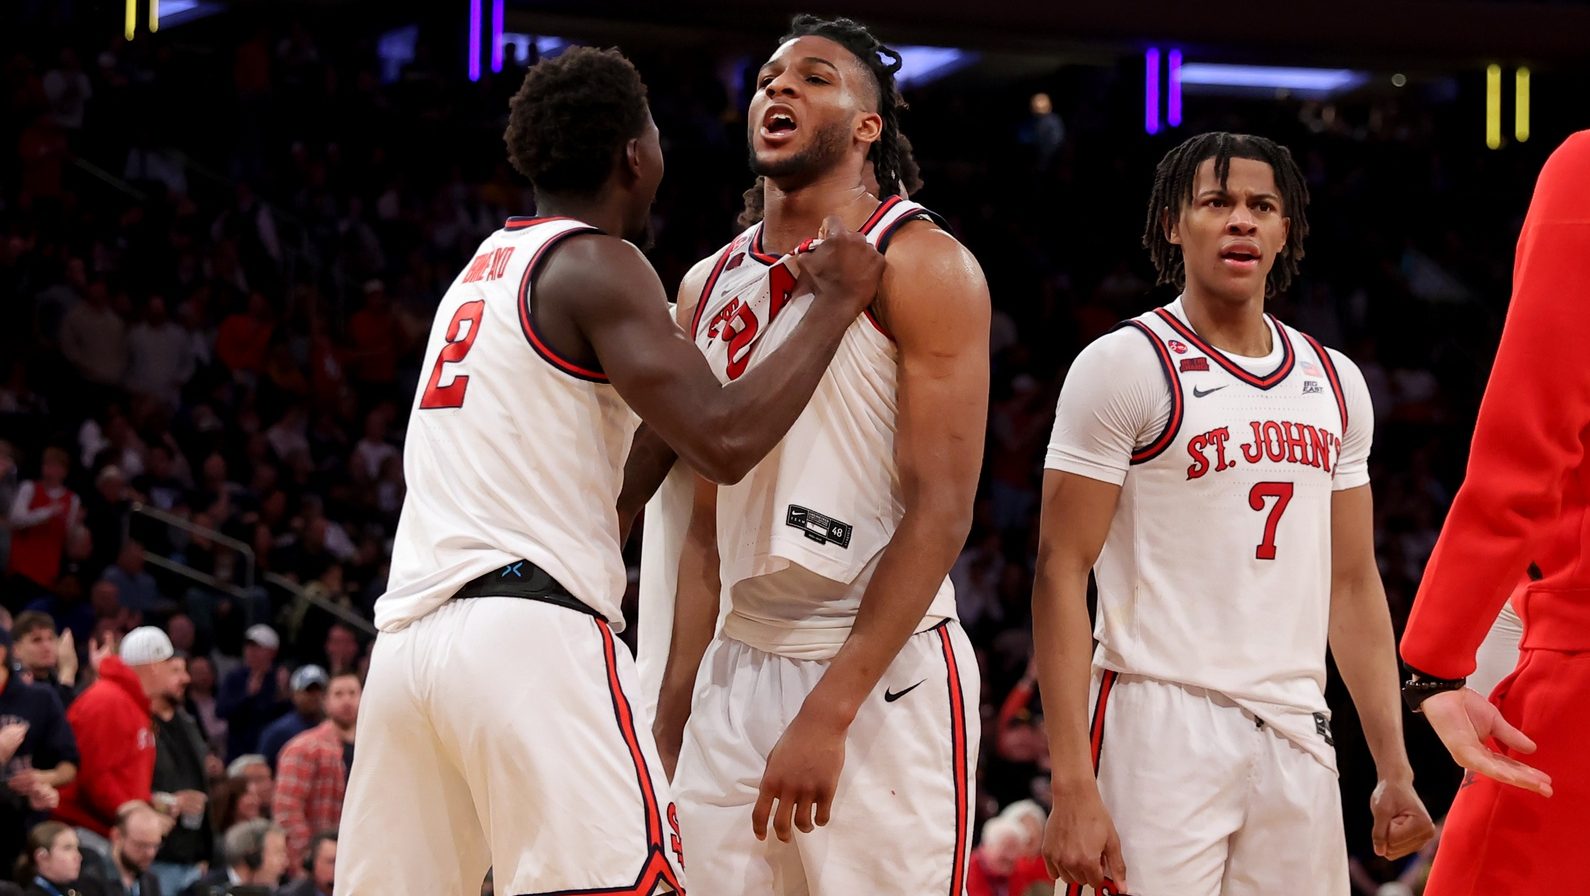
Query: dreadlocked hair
{"x": 571, "y": 118}
{"x": 893, "y": 164}
{"x": 1173, "y": 186}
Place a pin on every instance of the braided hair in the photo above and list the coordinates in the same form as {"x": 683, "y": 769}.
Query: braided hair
{"x": 1173, "y": 186}
{"x": 893, "y": 164}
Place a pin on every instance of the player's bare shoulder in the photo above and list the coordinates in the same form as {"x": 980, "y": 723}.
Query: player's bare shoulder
{"x": 927, "y": 267}
{"x": 596, "y": 264}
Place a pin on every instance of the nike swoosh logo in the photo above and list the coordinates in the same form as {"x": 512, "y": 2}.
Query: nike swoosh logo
{"x": 1200, "y": 393}
{"x": 891, "y": 696}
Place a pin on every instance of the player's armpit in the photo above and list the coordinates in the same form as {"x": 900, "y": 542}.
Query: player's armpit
{"x": 694, "y": 623}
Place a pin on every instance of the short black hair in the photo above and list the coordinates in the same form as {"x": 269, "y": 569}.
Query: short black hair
{"x": 572, "y": 116}
{"x": 892, "y": 161}
{"x": 1173, "y": 186}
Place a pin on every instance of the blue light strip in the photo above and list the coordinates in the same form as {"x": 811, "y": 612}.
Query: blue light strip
{"x": 1151, "y": 90}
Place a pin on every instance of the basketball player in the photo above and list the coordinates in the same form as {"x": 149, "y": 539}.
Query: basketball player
{"x": 1518, "y": 824}
{"x": 499, "y": 695}
{"x": 1210, "y": 465}
{"x": 840, "y": 641}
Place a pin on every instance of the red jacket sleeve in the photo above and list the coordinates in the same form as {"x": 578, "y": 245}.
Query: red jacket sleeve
{"x": 1529, "y": 438}
{"x": 113, "y": 771}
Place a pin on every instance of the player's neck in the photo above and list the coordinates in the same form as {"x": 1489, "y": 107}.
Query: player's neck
{"x": 795, "y": 214}
{"x": 598, "y": 211}
{"x": 1234, "y": 327}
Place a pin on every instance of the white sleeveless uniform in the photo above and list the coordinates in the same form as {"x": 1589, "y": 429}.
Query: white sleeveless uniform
{"x": 1211, "y": 734}
{"x": 501, "y": 732}
{"x": 799, "y": 539}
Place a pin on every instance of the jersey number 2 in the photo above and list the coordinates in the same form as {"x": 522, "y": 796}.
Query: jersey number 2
{"x": 1282, "y": 493}
{"x": 452, "y": 395}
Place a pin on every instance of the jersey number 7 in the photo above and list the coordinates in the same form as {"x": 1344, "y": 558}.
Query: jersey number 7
{"x": 1282, "y": 493}
{"x": 452, "y": 395}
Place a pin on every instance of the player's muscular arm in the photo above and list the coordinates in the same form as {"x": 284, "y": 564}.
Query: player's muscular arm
{"x": 650, "y": 457}
{"x": 610, "y": 292}
{"x": 936, "y": 303}
{"x": 1365, "y": 649}
{"x": 695, "y": 619}
{"x": 1080, "y": 843}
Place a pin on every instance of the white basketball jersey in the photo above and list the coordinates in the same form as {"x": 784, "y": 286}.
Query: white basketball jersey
{"x": 1216, "y": 570}
{"x": 827, "y": 498}
{"x": 512, "y": 452}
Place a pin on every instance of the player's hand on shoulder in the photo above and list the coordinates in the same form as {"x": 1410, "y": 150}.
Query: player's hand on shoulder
{"x": 1080, "y": 845}
{"x": 802, "y": 776}
{"x": 843, "y": 268}
{"x": 1402, "y": 824}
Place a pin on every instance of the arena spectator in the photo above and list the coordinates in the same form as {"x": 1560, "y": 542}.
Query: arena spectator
{"x": 253, "y": 695}
{"x": 181, "y": 789}
{"x": 313, "y": 771}
{"x": 37, "y": 751}
{"x": 48, "y": 660}
{"x": 255, "y": 773}
{"x": 111, "y": 720}
{"x": 42, "y": 513}
{"x": 320, "y": 868}
{"x": 201, "y": 701}
{"x": 53, "y": 864}
{"x": 309, "y": 708}
{"x": 134, "y": 842}
{"x": 256, "y": 858}
{"x": 994, "y": 860}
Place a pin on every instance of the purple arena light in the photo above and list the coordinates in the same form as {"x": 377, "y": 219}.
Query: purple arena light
{"x": 1173, "y": 91}
{"x": 496, "y": 35}
{"x": 474, "y": 40}
{"x": 1151, "y": 90}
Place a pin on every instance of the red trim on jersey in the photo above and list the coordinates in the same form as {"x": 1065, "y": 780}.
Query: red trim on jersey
{"x": 520, "y": 222}
{"x": 1178, "y": 402}
{"x": 1335, "y": 379}
{"x": 528, "y": 325}
{"x": 756, "y": 247}
{"x": 1096, "y": 747}
{"x": 1269, "y": 380}
{"x": 878, "y": 214}
{"x": 712, "y": 280}
{"x": 958, "y": 741}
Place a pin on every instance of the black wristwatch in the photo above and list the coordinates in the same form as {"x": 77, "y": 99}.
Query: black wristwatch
{"x": 1419, "y": 687}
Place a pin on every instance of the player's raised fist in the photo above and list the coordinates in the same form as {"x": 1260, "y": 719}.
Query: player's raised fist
{"x": 843, "y": 268}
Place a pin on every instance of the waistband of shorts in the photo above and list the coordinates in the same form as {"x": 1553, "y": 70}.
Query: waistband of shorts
{"x": 526, "y": 581}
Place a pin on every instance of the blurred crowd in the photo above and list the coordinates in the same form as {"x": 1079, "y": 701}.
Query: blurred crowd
{"x": 220, "y": 258}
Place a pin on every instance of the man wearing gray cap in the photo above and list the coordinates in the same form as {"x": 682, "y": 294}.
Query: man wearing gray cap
{"x": 309, "y": 699}
{"x": 254, "y": 694}
{"x": 112, "y": 723}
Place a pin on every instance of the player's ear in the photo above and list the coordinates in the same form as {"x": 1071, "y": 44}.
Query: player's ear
{"x": 1172, "y": 227}
{"x": 1286, "y": 234}
{"x": 632, "y": 163}
{"x": 869, "y": 127}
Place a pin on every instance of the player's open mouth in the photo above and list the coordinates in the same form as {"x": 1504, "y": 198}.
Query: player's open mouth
{"x": 778, "y": 124}
{"x": 1240, "y": 257}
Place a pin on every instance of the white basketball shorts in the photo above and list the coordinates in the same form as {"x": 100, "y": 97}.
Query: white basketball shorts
{"x": 501, "y": 732}
{"x": 1208, "y": 800}
{"x": 901, "y": 817}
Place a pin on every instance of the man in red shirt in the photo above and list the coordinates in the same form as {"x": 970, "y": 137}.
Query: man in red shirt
{"x": 115, "y": 734}
{"x": 312, "y": 773}
{"x": 42, "y": 515}
{"x": 1518, "y": 827}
